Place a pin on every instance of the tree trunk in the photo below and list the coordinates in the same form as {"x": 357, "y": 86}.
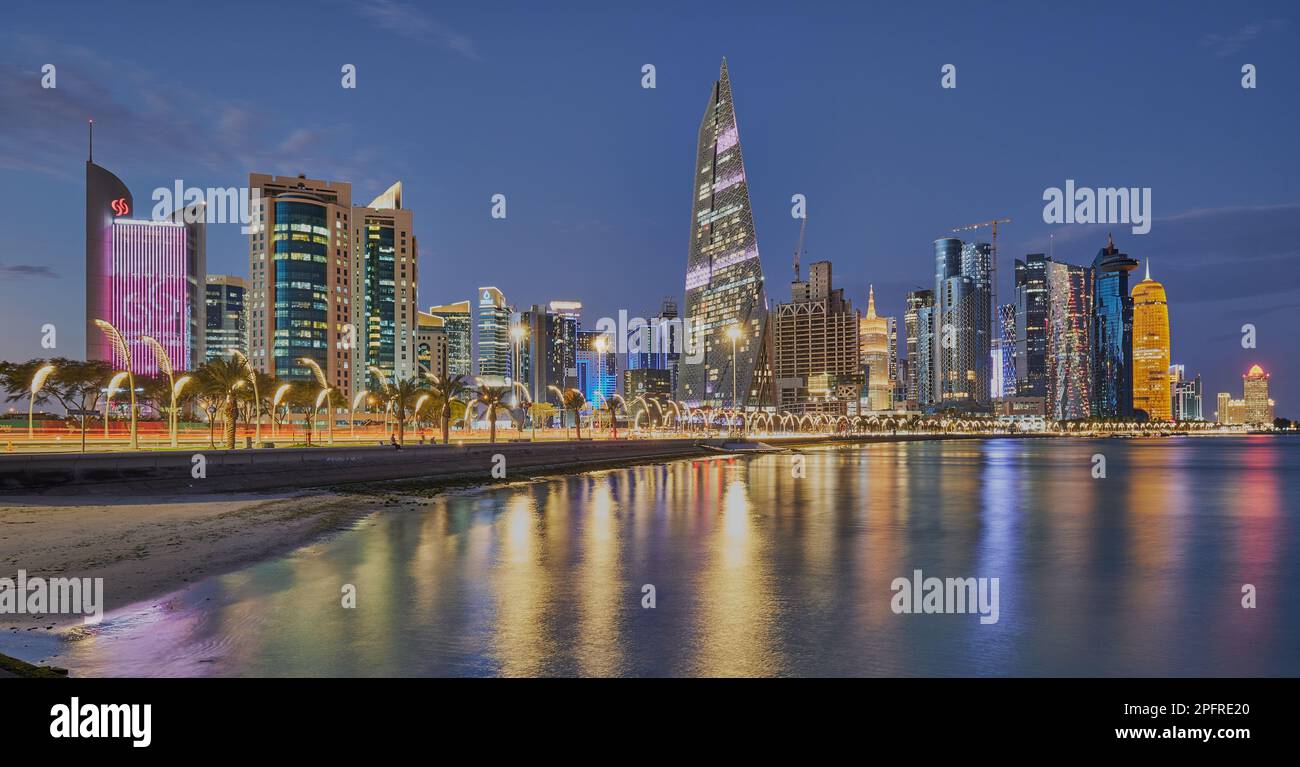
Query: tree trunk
{"x": 492, "y": 424}
{"x": 446, "y": 423}
{"x": 231, "y": 422}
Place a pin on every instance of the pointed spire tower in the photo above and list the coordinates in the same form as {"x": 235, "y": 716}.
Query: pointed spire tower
{"x": 724, "y": 278}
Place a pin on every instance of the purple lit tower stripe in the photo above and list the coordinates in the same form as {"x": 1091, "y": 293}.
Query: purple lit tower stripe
{"x": 149, "y": 292}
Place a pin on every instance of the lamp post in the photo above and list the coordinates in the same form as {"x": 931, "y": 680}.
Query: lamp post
{"x": 38, "y": 381}
{"x": 176, "y": 394}
{"x": 352, "y": 414}
{"x": 119, "y": 345}
{"x": 733, "y": 333}
{"x": 383, "y": 385}
{"x": 113, "y": 385}
{"x": 257, "y": 398}
{"x": 518, "y": 332}
{"x": 275, "y": 403}
{"x": 324, "y": 392}
{"x": 165, "y": 365}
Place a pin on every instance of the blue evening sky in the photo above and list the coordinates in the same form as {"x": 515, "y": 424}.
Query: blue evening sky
{"x": 542, "y": 102}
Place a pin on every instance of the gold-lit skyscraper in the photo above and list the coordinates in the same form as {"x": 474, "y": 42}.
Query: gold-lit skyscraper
{"x": 1151, "y": 349}
{"x": 873, "y": 339}
{"x": 1259, "y": 409}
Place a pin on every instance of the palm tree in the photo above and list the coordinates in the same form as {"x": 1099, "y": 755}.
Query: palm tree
{"x": 572, "y": 399}
{"x": 404, "y": 395}
{"x": 221, "y": 379}
{"x": 447, "y": 389}
{"x": 493, "y": 397}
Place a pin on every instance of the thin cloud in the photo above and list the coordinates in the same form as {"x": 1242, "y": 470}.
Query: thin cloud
{"x": 26, "y": 271}
{"x": 412, "y": 23}
{"x": 1235, "y": 42}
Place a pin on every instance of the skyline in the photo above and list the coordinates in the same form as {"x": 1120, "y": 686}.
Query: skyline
{"x": 1196, "y": 229}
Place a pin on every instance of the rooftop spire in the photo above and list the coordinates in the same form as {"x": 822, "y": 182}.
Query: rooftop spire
{"x": 91, "y": 157}
{"x": 871, "y": 302}
{"x": 1148, "y": 268}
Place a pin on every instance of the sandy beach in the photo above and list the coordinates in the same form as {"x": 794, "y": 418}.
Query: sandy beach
{"x": 145, "y": 547}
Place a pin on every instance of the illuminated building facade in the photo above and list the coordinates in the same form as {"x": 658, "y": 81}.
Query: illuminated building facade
{"x": 494, "y": 342}
{"x": 918, "y": 328}
{"x": 597, "y": 362}
{"x": 1004, "y": 353}
{"x": 1151, "y": 349}
{"x": 227, "y": 316}
{"x": 300, "y": 304}
{"x": 1112, "y": 339}
{"x": 570, "y": 319}
{"x": 542, "y": 353}
{"x": 724, "y": 279}
{"x": 873, "y": 356}
{"x": 431, "y": 343}
{"x": 1258, "y": 407}
{"x": 385, "y": 269}
{"x": 1185, "y": 395}
{"x": 144, "y": 277}
{"x": 459, "y": 326}
{"x": 815, "y": 335}
{"x": 1069, "y": 341}
{"x": 1031, "y": 325}
{"x": 963, "y": 323}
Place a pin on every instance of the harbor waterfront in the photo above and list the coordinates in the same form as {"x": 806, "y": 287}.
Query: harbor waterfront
{"x": 768, "y": 564}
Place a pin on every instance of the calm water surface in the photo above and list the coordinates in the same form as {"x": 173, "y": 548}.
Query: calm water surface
{"x": 759, "y": 573}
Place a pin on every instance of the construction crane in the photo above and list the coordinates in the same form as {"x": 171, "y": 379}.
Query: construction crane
{"x": 803, "y": 223}
{"x": 993, "y": 258}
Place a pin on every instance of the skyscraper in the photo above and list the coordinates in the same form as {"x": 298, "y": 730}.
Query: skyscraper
{"x": 963, "y": 317}
{"x": 1151, "y": 346}
{"x": 873, "y": 356}
{"x": 144, "y": 277}
{"x": 1112, "y": 339}
{"x": 459, "y": 327}
{"x": 724, "y": 279}
{"x": 542, "y": 361}
{"x": 815, "y": 335}
{"x": 1069, "y": 341}
{"x": 1031, "y": 325}
{"x": 1259, "y": 408}
{"x": 1004, "y": 368}
{"x": 385, "y": 268}
{"x": 431, "y": 347}
{"x": 917, "y": 325}
{"x": 597, "y": 366}
{"x": 300, "y": 269}
{"x": 494, "y": 342}
{"x": 570, "y": 314}
{"x": 227, "y": 316}
{"x": 1186, "y": 394}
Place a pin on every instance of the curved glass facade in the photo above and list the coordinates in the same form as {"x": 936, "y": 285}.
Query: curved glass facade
{"x": 1112, "y": 348}
{"x": 300, "y": 252}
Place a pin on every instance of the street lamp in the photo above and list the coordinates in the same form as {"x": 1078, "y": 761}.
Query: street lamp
{"x": 518, "y": 332}
{"x": 119, "y": 345}
{"x": 176, "y": 394}
{"x": 38, "y": 381}
{"x": 383, "y": 384}
{"x": 113, "y": 385}
{"x": 415, "y": 414}
{"x": 275, "y": 403}
{"x": 324, "y": 391}
{"x": 352, "y": 414}
{"x": 733, "y": 333}
{"x": 257, "y": 398}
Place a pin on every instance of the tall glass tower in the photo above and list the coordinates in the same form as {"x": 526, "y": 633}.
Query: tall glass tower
{"x": 1112, "y": 340}
{"x": 724, "y": 279}
{"x": 1151, "y": 349}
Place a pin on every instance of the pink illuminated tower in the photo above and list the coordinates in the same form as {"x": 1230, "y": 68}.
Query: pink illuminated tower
{"x": 145, "y": 277}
